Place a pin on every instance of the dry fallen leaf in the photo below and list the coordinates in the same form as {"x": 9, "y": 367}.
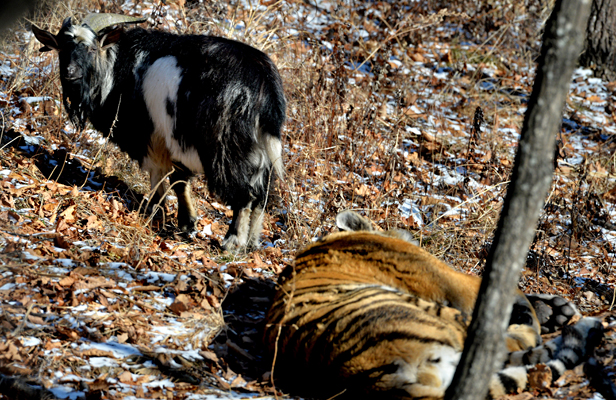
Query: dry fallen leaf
{"x": 182, "y": 303}
{"x": 68, "y": 214}
{"x": 540, "y": 376}
{"x": 97, "y": 353}
{"x": 126, "y": 377}
{"x": 66, "y": 281}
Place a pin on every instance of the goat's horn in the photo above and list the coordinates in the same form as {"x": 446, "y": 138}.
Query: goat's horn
{"x": 97, "y": 22}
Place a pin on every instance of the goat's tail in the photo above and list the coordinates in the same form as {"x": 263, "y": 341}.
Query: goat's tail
{"x": 273, "y": 148}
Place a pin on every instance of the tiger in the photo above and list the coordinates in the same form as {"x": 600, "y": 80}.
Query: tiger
{"x": 369, "y": 314}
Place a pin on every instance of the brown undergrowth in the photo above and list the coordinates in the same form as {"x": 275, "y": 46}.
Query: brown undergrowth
{"x": 405, "y": 111}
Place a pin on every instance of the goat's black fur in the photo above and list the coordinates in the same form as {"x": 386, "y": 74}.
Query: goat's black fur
{"x": 191, "y": 102}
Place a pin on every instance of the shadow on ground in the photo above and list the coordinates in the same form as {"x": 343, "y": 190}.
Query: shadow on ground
{"x": 60, "y": 166}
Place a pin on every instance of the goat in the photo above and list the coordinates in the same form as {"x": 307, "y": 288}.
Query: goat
{"x": 183, "y": 104}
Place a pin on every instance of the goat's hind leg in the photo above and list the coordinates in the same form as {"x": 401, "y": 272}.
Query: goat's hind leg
{"x": 187, "y": 215}
{"x": 250, "y": 189}
{"x": 256, "y": 224}
{"x": 237, "y": 236}
{"x": 256, "y": 219}
{"x": 245, "y": 229}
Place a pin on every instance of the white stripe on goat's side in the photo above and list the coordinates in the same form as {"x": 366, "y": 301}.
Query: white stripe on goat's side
{"x": 160, "y": 91}
{"x": 233, "y": 92}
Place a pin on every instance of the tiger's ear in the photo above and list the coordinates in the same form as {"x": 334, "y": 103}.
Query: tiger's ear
{"x": 351, "y": 221}
{"x": 404, "y": 235}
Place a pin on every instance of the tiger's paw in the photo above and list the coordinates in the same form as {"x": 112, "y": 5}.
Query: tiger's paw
{"x": 553, "y": 312}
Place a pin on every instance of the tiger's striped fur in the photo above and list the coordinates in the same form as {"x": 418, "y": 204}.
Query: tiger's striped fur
{"x": 368, "y": 313}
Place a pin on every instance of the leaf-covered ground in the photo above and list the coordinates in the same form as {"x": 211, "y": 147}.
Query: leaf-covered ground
{"x": 405, "y": 111}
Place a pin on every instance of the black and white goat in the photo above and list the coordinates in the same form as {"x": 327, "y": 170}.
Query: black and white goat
{"x": 182, "y": 103}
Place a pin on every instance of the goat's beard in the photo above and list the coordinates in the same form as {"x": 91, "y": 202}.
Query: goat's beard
{"x": 77, "y": 112}
{"x": 77, "y": 101}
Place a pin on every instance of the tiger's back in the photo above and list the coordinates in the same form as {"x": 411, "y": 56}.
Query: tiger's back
{"x": 370, "y": 258}
{"x": 366, "y": 313}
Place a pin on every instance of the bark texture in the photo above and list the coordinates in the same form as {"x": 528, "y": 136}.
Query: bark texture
{"x": 600, "y": 45}
{"x": 530, "y": 181}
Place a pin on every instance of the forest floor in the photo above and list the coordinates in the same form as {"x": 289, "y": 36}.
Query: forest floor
{"x": 408, "y": 112}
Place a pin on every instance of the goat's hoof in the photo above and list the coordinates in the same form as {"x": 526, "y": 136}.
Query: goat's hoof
{"x": 232, "y": 244}
{"x": 155, "y": 213}
{"x": 187, "y": 225}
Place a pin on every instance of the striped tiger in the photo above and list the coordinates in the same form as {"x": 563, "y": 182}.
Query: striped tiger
{"x": 371, "y": 315}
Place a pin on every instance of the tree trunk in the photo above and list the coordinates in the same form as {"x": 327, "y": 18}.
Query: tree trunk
{"x": 10, "y": 10}
{"x": 530, "y": 181}
{"x": 600, "y": 46}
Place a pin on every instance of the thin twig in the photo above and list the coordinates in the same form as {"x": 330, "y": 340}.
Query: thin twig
{"x": 23, "y": 321}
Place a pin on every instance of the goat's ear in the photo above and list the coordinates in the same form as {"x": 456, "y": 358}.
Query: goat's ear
{"x": 351, "y": 221}
{"x": 111, "y": 37}
{"x": 47, "y": 38}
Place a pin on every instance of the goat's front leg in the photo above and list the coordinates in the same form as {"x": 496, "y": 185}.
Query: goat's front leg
{"x": 157, "y": 163}
{"x": 157, "y": 199}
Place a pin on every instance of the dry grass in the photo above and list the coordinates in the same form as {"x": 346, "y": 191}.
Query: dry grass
{"x": 371, "y": 141}
{"x": 345, "y": 129}
{"x": 336, "y": 130}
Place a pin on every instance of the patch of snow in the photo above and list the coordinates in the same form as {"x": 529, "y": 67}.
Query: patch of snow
{"x": 29, "y": 341}
{"x": 66, "y": 392}
{"x": 8, "y": 286}
{"x": 65, "y": 262}
{"x": 207, "y": 230}
{"x": 119, "y": 350}
{"x": 152, "y": 276}
{"x": 37, "y": 99}
{"x": 100, "y": 362}
{"x": 412, "y": 129}
{"x": 409, "y": 210}
{"x": 29, "y": 256}
{"x": 33, "y": 140}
